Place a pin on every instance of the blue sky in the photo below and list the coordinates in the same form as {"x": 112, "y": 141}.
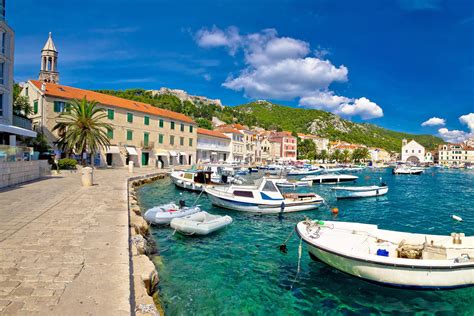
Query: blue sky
{"x": 392, "y": 63}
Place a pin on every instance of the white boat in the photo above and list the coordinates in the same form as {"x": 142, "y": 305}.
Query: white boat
{"x": 303, "y": 172}
{"x": 353, "y": 169}
{"x": 407, "y": 170}
{"x": 330, "y": 178}
{"x": 263, "y": 197}
{"x": 163, "y": 214}
{"x": 201, "y": 223}
{"x": 360, "y": 191}
{"x": 391, "y": 258}
{"x": 284, "y": 183}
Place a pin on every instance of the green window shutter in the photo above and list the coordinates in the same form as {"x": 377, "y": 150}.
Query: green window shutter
{"x": 161, "y": 123}
{"x": 160, "y": 138}
{"x": 171, "y": 140}
{"x": 172, "y": 125}
{"x": 129, "y": 135}
{"x": 190, "y": 142}
{"x": 110, "y": 133}
{"x": 190, "y": 128}
{"x": 181, "y": 141}
{"x": 110, "y": 114}
{"x": 145, "y": 138}
{"x": 129, "y": 117}
{"x": 147, "y": 120}
{"x": 57, "y": 107}
{"x": 35, "y": 106}
{"x": 182, "y": 127}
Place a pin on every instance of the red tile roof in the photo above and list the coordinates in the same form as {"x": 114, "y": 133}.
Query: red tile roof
{"x": 208, "y": 132}
{"x": 66, "y": 92}
{"x": 227, "y": 129}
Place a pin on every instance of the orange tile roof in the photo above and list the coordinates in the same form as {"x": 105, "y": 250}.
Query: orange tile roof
{"x": 208, "y": 132}
{"x": 236, "y": 126}
{"x": 66, "y": 92}
{"x": 227, "y": 129}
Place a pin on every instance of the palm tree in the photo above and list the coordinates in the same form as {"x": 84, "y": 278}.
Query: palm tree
{"x": 82, "y": 128}
{"x": 323, "y": 155}
{"x": 346, "y": 155}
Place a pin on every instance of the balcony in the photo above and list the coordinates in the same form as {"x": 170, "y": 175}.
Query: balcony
{"x": 22, "y": 122}
{"x": 147, "y": 145}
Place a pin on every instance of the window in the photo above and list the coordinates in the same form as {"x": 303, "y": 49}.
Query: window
{"x": 59, "y": 106}
{"x": 4, "y": 43}
{"x": 190, "y": 142}
{"x": 110, "y": 114}
{"x": 190, "y": 128}
{"x": 26, "y": 91}
{"x": 181, "y": 141}
{"x": 146, "y": 137}
{"x": 172, "y": 125}
{"x": 1, "y": 104}
{"x": 129, "y": 135}
{"x": 244, "y": 193}
{"x": 35, "y": 106}
{"x": 161, "y": 123}
{"x": 110, "y": 133}
{"x": 147, "y": 120}
{"x": 160, "y": 138}
{"x": 2, "y": 68}
{"x": 130, "y": 117}
{"x": 182, "y": 127}
{"x": 171, "y": 140}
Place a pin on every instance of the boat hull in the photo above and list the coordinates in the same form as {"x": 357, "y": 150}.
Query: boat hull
{"x": 347, "y": 194}
{"x": 401, "y": 277}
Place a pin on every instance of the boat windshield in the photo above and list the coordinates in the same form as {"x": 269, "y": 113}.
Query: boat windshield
{"x": 269, "y": 187}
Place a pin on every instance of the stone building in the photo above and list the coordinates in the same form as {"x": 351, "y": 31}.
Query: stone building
{"x": 320, "y": 142}
{"x": 237, "y": 144}
{"x": 212, "y": 146}
{"x": 49, "y": 62}
{"x": 412, "y": 152}
{"x": 456, "y": 154}
{"x": 288, "y": 145}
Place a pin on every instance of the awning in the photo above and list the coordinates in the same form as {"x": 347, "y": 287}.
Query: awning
{"x": 213, "y": 153}
{"x": 183, "y": 154}
{"x": 16, "y": 130}
{"x": 113, "y": 150}
{"x": 173, "y": 153}
{"x": 161, "y": 153}
{"x": 131, "y": 151}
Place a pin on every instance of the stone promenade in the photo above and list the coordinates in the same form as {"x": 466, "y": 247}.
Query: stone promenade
{"x": 64, "y": 248}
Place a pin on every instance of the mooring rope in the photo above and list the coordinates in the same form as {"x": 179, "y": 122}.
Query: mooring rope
{"x": 300, "y": 252}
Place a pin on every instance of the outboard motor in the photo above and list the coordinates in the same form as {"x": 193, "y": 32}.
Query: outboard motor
{"x": 181, "y": 203}
{"x": 224, "y": 178}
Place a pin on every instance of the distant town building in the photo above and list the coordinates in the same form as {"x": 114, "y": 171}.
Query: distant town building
{"x": 288, "y": 145}
{"x": 342, "y": 146}
{"x": 412, "y": 152}
{"x": 262, "y": 148}
{"x": 456, "y": 154}
{"x": 237, "y": 145}
{"x": 212, "y": 146}
{"x": 320, "y": 142}
{"x": 11, "y": 125}
{"x": 379, "y": 155}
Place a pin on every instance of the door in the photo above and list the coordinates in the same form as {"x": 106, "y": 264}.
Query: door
{"x": 108, "y": 159}
{"x": 145, "y": 157}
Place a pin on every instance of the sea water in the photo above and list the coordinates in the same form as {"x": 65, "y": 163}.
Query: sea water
{"x": 240, "y": 270}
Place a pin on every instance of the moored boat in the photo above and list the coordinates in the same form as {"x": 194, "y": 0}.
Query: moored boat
{"x": 264, "y": 198}
{"x": 284, "y": 183}
{"x": 391, "y": 258}
{"x": 330, "y": 178}
{"x": 201, "y": 223}
{"x": 344, "y": 192}
{"x": 163, "y": 214}
{"x": 407, "y": 170}
{"x": 303, "y": 172}
{"x": 194, "y": 180}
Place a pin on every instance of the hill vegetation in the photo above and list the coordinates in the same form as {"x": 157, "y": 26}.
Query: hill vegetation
{"x": 277, "y": 117}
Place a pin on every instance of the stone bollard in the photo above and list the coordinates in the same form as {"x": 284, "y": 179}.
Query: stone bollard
{"x": 130, "y": 166}
{"x": 87, "y": 177}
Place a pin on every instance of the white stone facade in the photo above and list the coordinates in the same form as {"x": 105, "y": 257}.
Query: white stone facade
{"x": 412, "y": 152}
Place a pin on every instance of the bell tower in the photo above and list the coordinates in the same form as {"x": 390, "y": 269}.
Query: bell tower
{"x": 49, "y": 62}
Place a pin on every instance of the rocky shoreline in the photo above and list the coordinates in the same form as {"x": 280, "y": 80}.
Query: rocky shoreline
{"x": 143, "y": 253}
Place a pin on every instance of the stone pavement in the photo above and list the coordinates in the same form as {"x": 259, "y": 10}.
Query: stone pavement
{"x": 64, "y": 248}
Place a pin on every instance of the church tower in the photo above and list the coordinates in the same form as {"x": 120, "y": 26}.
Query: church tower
{"x": 49, "y": 62}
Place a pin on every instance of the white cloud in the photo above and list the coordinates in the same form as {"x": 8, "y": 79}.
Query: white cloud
{"x": 434, "y": 121}
{"x": 282, "y": 68}
{"x": 207, "y": 77}
{"x": 453, "y": 136}
{"x": 468, "y": 119}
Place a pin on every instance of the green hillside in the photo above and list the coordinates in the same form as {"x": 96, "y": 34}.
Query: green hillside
{"x": 277, "y": 117}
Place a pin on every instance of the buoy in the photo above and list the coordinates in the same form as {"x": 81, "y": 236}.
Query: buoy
{"x": 455, "y": 217}
{"x": 335, "y": 210}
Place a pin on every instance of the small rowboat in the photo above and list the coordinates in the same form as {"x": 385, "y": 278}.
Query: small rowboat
{"x": 163, "y": 214}
{"x": 293, "y": 184}
{"x": 201, "y": 223}
{"x": 407, "y": 170}
{"x": 391, "y": 258}
{"x": 359, "y": 192}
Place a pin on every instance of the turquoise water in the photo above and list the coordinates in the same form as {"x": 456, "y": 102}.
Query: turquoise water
{"x": 240, "y": 271}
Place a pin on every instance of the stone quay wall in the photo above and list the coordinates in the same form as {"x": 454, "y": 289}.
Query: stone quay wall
{"x": 16, "y": 172}
{"x": 143, "y": 253}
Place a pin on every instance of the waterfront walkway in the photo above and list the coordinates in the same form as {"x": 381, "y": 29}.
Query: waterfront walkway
{"x": 64, "y": 248}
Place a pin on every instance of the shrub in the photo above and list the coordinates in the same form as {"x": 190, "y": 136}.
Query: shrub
{"x": 67, "y": 163}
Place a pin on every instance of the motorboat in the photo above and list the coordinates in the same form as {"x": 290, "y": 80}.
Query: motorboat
{"x": 408, "y": 170}
{"x": 353, "y": 169}
{"x": 201, "y": 223}
{"x": 253, "y": 169}
{"x": 163, "y": 214}
{"x": 392, "y": 258}
{"x": 330, "y": 178}
{"x": 345, "y": 192}
{"x": 264, "y": 197}
{"x": 303, "y": 171}
{"x": 194, "y": 180}
{"x": 284, "y": 183}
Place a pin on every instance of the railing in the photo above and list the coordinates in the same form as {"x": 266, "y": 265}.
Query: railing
{"x": 21, "y": 122}
{"x": 15, "y": 153}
